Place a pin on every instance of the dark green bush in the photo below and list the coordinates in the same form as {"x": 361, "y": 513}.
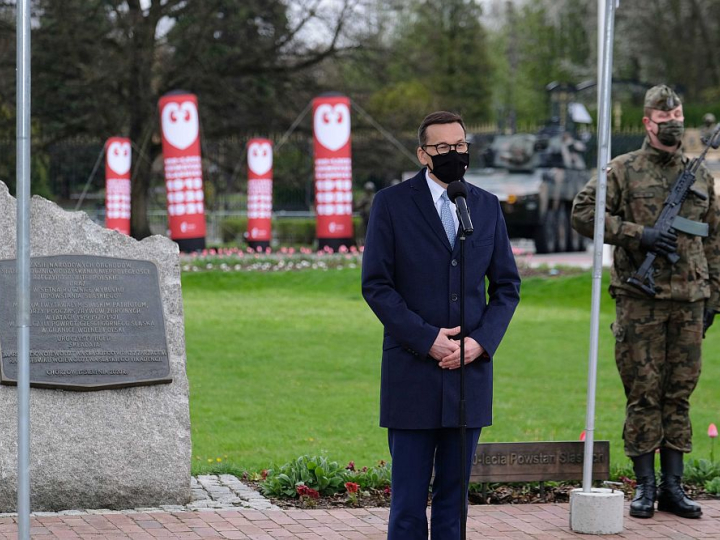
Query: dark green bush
{"x": 699, "y": 471}
{"x": 294, "y": 230}
{"x": 316, "y": 472}
{"x": 233, "y": 229}
{"x": 287, "y": 231}
{"x": 713, "y": 486}
{"x": 373, "y": 478}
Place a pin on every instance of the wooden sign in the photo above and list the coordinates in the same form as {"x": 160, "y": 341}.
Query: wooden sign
{"x": 537, "y": 461}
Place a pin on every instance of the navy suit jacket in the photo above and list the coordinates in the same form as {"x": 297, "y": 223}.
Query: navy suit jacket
{"x": 411, "y": 280}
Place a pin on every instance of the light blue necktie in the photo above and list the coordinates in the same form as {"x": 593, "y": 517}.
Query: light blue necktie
{"x": 447, "y": 219}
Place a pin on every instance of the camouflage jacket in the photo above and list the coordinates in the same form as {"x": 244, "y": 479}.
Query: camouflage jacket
{"x": 638, "y": 183}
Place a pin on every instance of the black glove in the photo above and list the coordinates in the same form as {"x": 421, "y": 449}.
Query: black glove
{"x": 708, "y": 317}
{"x": 657, "y": 241}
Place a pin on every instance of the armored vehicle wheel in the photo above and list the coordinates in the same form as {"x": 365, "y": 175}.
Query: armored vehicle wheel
{"x": 574, "y": 241}
{"x": 577, "y": 241}
{"x": 546, "y": 239}
{"x": 563, "y": 229}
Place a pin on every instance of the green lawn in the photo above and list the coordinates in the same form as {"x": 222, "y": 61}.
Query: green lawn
{"x": 283, "y": 364}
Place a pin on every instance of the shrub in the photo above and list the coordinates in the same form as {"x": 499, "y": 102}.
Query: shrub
{"x": 295, "y": 230}
{"x": 317, "y": 473}
{"x": 233, "y": 229}
{"x": 713, "y": 486}
{"x": 620, "y": 472}
{"x": 291, "y": 231}
{"x": 373, "y": 478}
{"x": 699, "y": 471}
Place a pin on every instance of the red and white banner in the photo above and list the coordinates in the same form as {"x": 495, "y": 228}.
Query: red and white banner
{"x": 118, "y": 160}
{"x": 183, "y": 166}
{"x": 333, "y": 168}
{"x": 259, "y": 205}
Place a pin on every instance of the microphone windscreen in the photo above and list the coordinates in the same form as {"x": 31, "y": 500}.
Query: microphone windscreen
{"x": 456, "y": 189}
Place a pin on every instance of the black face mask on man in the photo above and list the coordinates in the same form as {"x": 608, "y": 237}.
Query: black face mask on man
{"x": 449, "y": 167}
{"x": 670, "y": 133}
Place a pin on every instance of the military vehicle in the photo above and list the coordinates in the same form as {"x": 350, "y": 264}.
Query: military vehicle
{"x": 537, "y": 175}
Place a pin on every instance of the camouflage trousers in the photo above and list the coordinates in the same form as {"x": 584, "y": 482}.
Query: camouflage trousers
{"x": 657, "y": 351}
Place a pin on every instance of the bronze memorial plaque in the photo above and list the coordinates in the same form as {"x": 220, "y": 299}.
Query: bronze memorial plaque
{"x": 96, "y": 323}
{"x": 537, "y": 461}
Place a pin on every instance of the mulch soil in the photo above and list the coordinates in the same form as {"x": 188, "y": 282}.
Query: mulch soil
{"x": 495, "y": 494}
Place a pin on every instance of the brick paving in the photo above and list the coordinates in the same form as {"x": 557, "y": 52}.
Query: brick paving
{"x": 536, "y": 521}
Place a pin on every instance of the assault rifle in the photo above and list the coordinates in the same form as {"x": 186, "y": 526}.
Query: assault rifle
{"x": 670, "y": 220}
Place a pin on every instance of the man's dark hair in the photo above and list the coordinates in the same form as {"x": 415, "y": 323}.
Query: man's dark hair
{"x": 439, "y": 117}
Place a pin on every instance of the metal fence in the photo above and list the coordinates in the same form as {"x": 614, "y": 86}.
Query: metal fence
{"x": 61, "y": 171}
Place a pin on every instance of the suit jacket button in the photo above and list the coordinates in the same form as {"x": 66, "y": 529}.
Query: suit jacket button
{"x": 454, "y": 297}
{"x": 454, "y": 262}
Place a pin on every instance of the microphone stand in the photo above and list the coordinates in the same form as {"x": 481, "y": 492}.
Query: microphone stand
{"x": 463, "y": 419}
{"x": 458, "y": 196}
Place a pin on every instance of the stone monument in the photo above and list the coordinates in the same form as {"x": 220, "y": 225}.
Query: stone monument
{"x": 109, "y": 411}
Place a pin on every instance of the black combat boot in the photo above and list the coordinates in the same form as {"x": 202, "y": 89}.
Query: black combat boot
{"x": 671, "y": 497}
{"x": 643, "y": 503}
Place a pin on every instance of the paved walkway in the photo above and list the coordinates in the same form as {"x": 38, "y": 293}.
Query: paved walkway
{"x": 537, "y": 521}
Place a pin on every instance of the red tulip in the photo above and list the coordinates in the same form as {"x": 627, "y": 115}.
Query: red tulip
{"x": 712, "y": 431}
{"x": 582, "y": 436}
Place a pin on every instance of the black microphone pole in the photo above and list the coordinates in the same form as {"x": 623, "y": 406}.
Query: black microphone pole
{"x": 457, "y": 192}
{"x": 463, "y": 418}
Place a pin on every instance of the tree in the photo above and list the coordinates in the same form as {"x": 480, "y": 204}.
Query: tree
{"x": 436, "y": 58}
{"x": 238, "y": 56}
{"x": 77, "y": 73}
{"x": 537, "y": 43}
{"x": 672, "y": 42}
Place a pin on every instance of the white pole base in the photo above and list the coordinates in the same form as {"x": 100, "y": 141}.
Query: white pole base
{"x": 599, "y": 511}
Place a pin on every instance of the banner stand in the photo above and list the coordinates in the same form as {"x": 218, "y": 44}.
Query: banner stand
{"x": 258, "y": 245}
{"x": 335, "y": 243}
{"x": 259, "y": 196}
{"x": 118, "y": 163}
{"x": 180, "y": 125}
{"x": 188, "y": 245}
{"x": 333, "y": 171}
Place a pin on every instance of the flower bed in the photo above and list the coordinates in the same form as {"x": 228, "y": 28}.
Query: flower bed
{"x": 288, "y": 259}
{"x": 316, "y": 482}
{"x": 267, "y": 260}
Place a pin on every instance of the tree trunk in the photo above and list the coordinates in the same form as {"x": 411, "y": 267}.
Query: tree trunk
{"x": 142, "y": 109}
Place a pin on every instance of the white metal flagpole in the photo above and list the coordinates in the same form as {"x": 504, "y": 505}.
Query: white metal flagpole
{"x": 605, "y": 96}
{"x": 23, "y": 265}
{"x": 599, "y": 510}
{"x": 600, "y": 52}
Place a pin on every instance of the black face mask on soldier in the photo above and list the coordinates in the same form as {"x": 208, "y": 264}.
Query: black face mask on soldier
{"x": 449, "y": 167}
{"x": 670, "y": 133}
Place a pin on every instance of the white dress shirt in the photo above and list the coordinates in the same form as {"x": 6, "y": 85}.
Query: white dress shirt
{"x": 436, "y": 191}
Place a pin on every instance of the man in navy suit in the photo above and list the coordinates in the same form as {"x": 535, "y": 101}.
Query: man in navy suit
{"x": 411, "y": 280}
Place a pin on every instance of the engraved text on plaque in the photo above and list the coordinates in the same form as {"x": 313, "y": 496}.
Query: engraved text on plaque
{"x": 96, "y": 322}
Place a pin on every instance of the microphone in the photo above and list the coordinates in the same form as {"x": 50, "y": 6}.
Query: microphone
{"x": 457, "y": 193}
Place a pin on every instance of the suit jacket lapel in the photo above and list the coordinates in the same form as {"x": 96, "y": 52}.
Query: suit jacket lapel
{"x": 424, "y": 202}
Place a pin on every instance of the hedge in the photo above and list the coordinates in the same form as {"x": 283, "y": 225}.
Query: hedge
{"x": 285, "y": 230}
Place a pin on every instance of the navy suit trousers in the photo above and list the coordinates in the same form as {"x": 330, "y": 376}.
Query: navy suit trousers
{"x": 414, "y": 451}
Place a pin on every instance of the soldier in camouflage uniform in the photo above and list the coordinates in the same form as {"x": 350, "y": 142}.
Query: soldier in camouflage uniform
{"x": 658, "y": 339}
{"x": 709, "y": 125}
